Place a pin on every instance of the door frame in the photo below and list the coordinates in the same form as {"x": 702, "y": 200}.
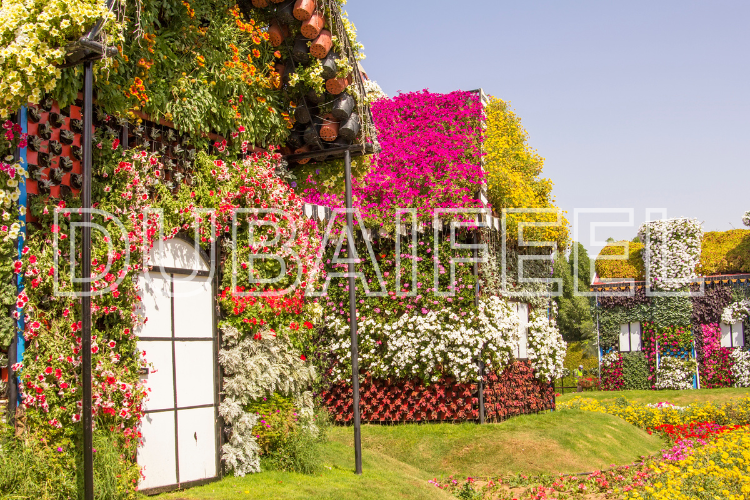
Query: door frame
{"x": 218, "y": 421}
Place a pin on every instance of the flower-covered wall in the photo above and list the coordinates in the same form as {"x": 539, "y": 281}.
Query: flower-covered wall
{"x": 686, "y": 339}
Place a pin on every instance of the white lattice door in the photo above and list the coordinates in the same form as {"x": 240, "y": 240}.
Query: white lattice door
{"x": 179, "y": 428}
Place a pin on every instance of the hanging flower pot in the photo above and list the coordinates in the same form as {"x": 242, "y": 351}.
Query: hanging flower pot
{"x": 312, "y": 27}
{"x": 304, "y": 9}
{"x": 350, "y": 128}
{"x": 260, "y": 4}
{"x": 304, "y": 149}
{"x": 34, "y": 114}
{"x": 56, "y": 176}
{"x": 300, "y": 50}
{"x": 329, "y": 66}
{"x": 322, "y": 44}
{"x": 57, "y": 120}
{"x": 343, "y": 107}
{"x": 295, "y": 140}
{"x": 277, "y": 33}
{"x": 329, "y": 129}
{"x": 66, "y": 163}
{"x": 285, "y": 12}
{"x": 337, "y": 85}
{"x": 313, "y": 97}
{"x": 311, "y": 132}
{"x": 303, "y": 114}
{"x": 277, "y": 1}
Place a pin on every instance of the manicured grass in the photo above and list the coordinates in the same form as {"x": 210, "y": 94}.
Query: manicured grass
{"x": 562, "y": 441}
{"x": 398, "y": 460}
{"x": 680, "y": 398}
{"x": 383, "y": 478}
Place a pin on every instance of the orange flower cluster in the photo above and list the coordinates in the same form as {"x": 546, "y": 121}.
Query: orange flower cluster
{"x": 190, "y": 11}
{"x": 138, "y": 90}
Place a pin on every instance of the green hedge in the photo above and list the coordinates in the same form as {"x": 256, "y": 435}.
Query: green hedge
{"x": 635, "y": 371}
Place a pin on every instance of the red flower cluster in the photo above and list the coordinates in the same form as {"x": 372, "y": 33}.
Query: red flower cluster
{"x": 514, "y": 392}
{"x": 696, "y": 430}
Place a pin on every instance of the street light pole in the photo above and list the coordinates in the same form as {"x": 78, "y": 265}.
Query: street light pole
{"x": 86, "y": 415}
{"x": 353, "y": 316}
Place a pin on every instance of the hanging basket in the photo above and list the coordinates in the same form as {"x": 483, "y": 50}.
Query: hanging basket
{"x": 343, "y": 107}
{"x": 311, "y": 132}
{"x": 300, "y": 50}
{"x": 350, "y": 128}
{"x": 304, "y": 149}
{"x": 277, "y": 33}
{"x": 311, "y": 28}
{"x": 329, "y": 130}
{"x": 329, "y": 66}
{"x": 313, "y": 97}
{"x": 304, "y": 9}
{"x": 285, "y": 12}
{"x": 303, "y": 114}
{"x": 337, "y": 85}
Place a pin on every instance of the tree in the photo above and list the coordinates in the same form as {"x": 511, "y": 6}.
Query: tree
{"x": 574, "y": 311}
{"x": 514, "y": 176}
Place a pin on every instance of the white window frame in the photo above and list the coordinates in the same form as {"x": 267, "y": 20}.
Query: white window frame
{"x": 523, "y": 311}
{"x": 631, "y": 339}
{"x": 733, "y": 335}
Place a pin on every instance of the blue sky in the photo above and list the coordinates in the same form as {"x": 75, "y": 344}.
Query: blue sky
{"x": 634, "y": 105}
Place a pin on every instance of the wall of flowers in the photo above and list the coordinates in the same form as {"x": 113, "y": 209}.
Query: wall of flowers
{"x": 684, "y": 341}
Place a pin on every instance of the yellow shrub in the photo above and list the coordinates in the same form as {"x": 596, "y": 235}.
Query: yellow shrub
{"x": 725, "y": 252}
{"x": 632, "y": 267}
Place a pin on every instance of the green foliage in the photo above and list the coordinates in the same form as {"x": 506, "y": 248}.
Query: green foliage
{"x": 671, "y": 311}
{"x": 630, "y": 267}
{"x": 610, "y": 320}
{"x": 635, "y": 371}
{"x": 574, "y": 311}
{"x": 32, "y": 468}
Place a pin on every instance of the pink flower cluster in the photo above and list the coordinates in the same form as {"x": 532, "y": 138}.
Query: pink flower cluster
{"x": 716, "y": 364}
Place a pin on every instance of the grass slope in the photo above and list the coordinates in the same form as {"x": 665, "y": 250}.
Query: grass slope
{"x": 680, "y": 398}
{"x": 562, "y": 441}
{"x": 383, "y": 478}
{"x": 398, "y": 460}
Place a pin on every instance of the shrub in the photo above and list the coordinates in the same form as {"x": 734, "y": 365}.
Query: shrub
{"x": 725, "y": 252}
{"x": 635, "y": 371}
{"x": 632, "y": 267}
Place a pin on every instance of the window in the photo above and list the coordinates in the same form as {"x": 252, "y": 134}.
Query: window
{"x": 522, "y": 310}
{"x": 733, "y": 335}
{"x": 630, "y": 337}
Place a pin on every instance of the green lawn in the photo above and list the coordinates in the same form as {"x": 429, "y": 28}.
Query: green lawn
{"x": 400, "y": 459}
{"x": 679, "y": 398}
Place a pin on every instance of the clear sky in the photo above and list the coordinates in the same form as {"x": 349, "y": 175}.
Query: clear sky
{"x": 638, "y": 104}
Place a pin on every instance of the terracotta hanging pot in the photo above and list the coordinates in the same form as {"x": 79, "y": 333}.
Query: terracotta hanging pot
{"x": 337, "y": 85}
{"x": 304, "y": 9}
{"x": 322, "y": 44}
{"x": 304, "y": 149}
{"x": 277, "y": 33}
{"x": 329, "y": 130}
{"x": 311, "y": 28}
{"x": 350, "y": 128}
{"x": 343, "y": 107}
{"x": 260, "y": 4}
{"x": 277, "y": 1}
{"x": 329, "y": 66}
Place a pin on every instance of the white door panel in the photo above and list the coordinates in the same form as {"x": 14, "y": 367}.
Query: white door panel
{"x": 157, "y": 455}
{"x": 160, "y": 377}
{"x": 197, "y": 444}
{"x": 195, "y": 373}
{"x": 156, "y": 306}
{"x": 193, "y": 315}
{"x": 738, "y": 334}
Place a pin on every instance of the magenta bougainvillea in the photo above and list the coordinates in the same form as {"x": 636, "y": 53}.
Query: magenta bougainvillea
{"x": 431, "y": 150}
{"x": 430, "y": 158}
{"x": 716, "y": 364}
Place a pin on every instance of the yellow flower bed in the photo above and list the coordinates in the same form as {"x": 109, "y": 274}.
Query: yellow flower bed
{"x": 735, "y": 412}
{"x": 718, "y": 470}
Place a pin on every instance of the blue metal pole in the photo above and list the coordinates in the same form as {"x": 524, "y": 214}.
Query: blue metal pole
{"x": 20, "y": 342}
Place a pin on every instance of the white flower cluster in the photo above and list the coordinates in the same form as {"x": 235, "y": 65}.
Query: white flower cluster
{"x": 254, "y": 369}
{"x": 740, "y": 367}
{"x": 546, "y": 347}
{"x": 746, "y": 218}
{"x": 610, "y": 358}
{"x": 675, "y": 373}
{"x": 736, "y": 311}
{"x": 432, "y": 346}
{"x": 672, "y": 251}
